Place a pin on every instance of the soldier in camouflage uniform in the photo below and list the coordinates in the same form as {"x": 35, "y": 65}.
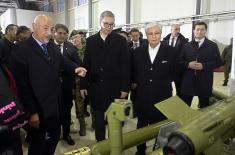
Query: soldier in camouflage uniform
{"x": 227, "y": 60}
{"x": 79, "y": 42}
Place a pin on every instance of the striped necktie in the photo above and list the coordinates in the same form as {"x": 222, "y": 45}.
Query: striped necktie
{"x": 44, "y": 48}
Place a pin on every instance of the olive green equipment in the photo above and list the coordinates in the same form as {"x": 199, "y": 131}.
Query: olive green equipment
{"x": 117, "y": 142}
{"x": 208, "y": 131}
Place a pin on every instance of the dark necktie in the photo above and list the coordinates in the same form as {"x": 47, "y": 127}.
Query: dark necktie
{"x": 44, "y": 48}
{"x": 60, "y": 47}
{"x": 198, "y": 44}
{"x": 172, "y": 41}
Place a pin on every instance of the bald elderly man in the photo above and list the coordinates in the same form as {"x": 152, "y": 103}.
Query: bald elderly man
{"x": 36, "y": 64}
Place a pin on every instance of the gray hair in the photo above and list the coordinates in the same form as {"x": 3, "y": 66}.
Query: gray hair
{"x": 151, "y": 25}
{"x": 106, "y": 14}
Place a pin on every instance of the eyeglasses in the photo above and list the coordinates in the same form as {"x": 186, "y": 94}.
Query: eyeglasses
{"x": 153, "y": 34}
{"x": 108, "y": 25}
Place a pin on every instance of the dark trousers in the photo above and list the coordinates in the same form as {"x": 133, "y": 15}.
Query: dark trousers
{"x": 67, "y": 104}
{"x": 178, "y": 88}
{"x": 43, "y": 141}
{"x": 227, "y": 70}
{"x": 203, "y": 101}
{"x": 11, "y": 145}
{"x": 99, "y": 120}
{"x": 142, "y": 122}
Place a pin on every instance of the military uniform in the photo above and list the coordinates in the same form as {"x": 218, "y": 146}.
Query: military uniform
{"x": 227, "y": 59}
{"x": 79, "y": 101}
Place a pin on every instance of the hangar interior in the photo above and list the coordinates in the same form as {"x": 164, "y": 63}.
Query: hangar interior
{"x": 84, "y": 14}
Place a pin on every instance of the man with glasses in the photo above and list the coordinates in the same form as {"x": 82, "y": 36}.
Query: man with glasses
{"x": 153, "y": 72}
{"x": 107, "y": 60}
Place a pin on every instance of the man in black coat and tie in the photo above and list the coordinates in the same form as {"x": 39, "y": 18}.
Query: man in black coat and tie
{"x": 107, "y": 61}
{"x": 198, "y": 59}
{"x": 136, "y": 40}
{"x": 176, "y": 40}
{"x": 67, "y": 79}
{"x": 153, "y": 72}
{"x": 36, "y": 65}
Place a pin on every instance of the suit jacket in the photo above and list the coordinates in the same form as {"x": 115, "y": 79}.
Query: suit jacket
{"x": 70, "y": 52}
{"x": 199, "y": 83}
{"x": 37, "y": 77}
{"x": 141, "y": 41}
{"x": 5, "y": 50}
{"x": 153, "y": 80}
{"x": 108, "y": 66}
{"x": 181, "y": 40}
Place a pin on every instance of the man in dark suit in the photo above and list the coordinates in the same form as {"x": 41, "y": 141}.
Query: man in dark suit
{"x": 67, "y": 78}
{"x": 153, "y": 66}
{"x": 36, "y": 64}
{"x": 136, "y": 40}
{"x": 7, "y": 42}
{"x": 176, "y": 40}
{"x": 107, "y": 60}
{"x": 198, "y": 59}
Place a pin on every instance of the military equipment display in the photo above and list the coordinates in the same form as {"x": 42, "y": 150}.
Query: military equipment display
{"x": 201, "y": 130}
{"x": 207, "y": 131}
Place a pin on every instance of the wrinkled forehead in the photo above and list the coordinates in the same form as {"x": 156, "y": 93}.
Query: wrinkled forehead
{"x": 108, "y": 19}
{"x": 153, "y": 29}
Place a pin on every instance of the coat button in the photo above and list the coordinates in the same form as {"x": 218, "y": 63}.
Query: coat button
{"x": 101, "y": 80}
{"x": 150, "y": 80}
{"x": 101, "y": 69}
{"x": 151, "y": 68}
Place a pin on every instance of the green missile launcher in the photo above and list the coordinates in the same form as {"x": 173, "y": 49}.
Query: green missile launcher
{"x": 203, "y": 131}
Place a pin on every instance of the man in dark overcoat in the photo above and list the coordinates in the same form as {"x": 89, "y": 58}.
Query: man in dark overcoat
{"x": 36, "y": 64}
{"x": 107, "y": 60}
{"x": 176, "y": 40}
{"x": 153, "y": 73}
{"x": 198, "y": 59}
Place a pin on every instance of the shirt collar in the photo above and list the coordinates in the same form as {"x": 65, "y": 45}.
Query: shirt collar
{"x": 200, "y": 40}
{"x": 58, "y": 43}
{"x": 138, "y": 42}
{"x": 39, "y": 42}
{"x": 155, "y": 48}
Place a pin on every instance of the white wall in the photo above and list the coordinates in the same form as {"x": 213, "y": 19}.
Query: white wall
{"x": 220, "y": 32}
{"x": 21, "y": 17}
{"x": 222, "y": 5}
{"x": 118, "y": 7}
{"x": 59, "y": 18}
{"x": 26, "y": 17}
{"x": 7, "y": 18}
{"x": 81, "y": 17}
{"x": 152, "y": 10}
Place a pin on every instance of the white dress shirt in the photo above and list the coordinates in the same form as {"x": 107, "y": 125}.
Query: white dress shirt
{"x": 200, "y": 41}
{"x": 175, "y": 39}
{"x": 153, "y": 52}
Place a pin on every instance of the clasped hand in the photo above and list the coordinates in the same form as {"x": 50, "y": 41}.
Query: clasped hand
{"x": 195, "y": 65}
{"x": 80, "y": 71}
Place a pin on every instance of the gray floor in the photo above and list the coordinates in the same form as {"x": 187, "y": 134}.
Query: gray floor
{"x": 129, "y": 125}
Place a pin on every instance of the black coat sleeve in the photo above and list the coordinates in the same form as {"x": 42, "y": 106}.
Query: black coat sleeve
{"x": 21, "y": 73}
